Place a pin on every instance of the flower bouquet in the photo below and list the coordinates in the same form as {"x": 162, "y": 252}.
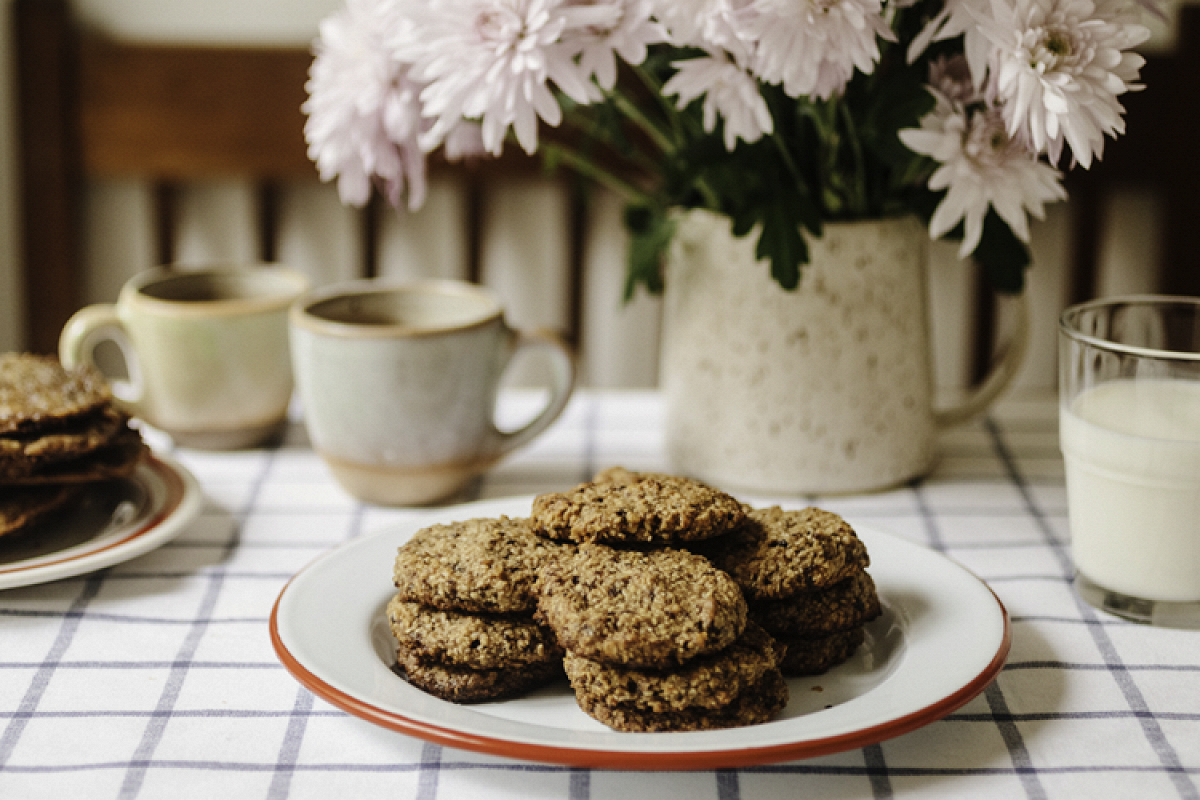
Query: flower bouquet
{"x": 780, "y": 114}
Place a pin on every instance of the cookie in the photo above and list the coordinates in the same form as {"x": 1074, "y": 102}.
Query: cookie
{"x": 655, "y": 609}
{"x": 26, "y": 453}
{"x": 464, "y": 685}
{"x": 756, "y": 704}
{"x": 777, "y": 554}
{"x": 470, "y": 640}
{"x": 477, "y": 565}
{"x": 708, "y": 682}
{"x": 636, "y": 508}
{"x": 21, "y": 507}
{"x": 116, "y": 459}
{"x": 845, "y": 605}
{"x": 36, "y": 393}
{"x": 814, "y": 656}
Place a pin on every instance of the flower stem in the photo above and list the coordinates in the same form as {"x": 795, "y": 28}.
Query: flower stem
{"x": 589, "y": 169}
{"x": 857, "y": 200}
{"x": 643, "y": 122}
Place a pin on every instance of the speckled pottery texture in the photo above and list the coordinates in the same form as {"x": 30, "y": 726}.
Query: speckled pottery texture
{"x": 823, "y": 389}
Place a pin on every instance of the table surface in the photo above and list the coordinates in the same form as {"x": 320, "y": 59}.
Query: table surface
{"x": 156, "y": 677}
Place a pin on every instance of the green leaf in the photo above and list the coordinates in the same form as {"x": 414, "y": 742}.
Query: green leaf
{"x": 650, "y": 233}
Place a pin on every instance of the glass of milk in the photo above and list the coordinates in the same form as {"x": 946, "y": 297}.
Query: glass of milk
{"x": 1129, "y": 423}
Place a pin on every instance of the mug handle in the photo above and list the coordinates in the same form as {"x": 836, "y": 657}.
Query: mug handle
{"x": 1000, "y": 374}
{"x": 86, "y": 330}
{"x": 562, "y": 365}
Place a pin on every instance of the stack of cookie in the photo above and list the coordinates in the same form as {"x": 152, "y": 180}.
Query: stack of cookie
{"x": 463, "y": 612}
{"x": 656, "y": 637}
{"x": 59, "y": 433}
{"x": 803, "y": 574}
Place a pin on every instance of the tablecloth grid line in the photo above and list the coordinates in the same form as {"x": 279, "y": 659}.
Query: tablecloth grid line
{"x": 1014, "y": 742}
{"x": 45, "y": 670}
{"x": 1153, "y": 732}
{"x": 430, "y": 766}
{"x": 289, "y": 749}
{"x": 877, "y": 775}
{"x": 152, "y": 734}
{"x": 728, "y": 786}
{"x": 579, "y": 784}
{"x": 794, "y": 768}
{"x": 302, "y": 709}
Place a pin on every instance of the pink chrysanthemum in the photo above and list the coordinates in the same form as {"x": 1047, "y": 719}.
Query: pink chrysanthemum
{"x": 728, "y": 90}
{"x": 1057, "y": 68}
{"x": 981, "y": 167}
{"x": 493, "y": 60}
{"x": 364, "y": 116}
{"x": 628, "y": 35}
{"x": 813, "y": 47}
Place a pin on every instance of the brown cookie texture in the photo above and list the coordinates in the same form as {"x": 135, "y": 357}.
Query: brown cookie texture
{"x": 777, "y": 553}
{"x": 464, "y": 685}
{"x": 654, "y": 609}
{"x": 478, "y": 565}
{"x": 847, "y": 604}
{"x": 23, "y": 454}
{"x": 708, "y": 682}
{"x": 758, "y": 703}
{"x": 476, "y": 641}
{"x": 21, "y": 508}
{"x": 625, "y": 507}
{"x": 817, "y": 655}
{"x": 117, "y": 458}
{"x": 36, "y": 393}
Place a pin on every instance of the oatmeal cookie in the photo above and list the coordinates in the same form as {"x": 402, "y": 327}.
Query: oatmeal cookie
{"x": 845, "y": 605}
{"x": 23, "y": 454}
{"x": 465, "y": 685}
{"x": 777, "y": 554}
{"x": 756, "y": 704}
{"x": 655, "y": 609}
{"x": 708, "y": 682}
{"x": 816, "y": 655}
{"x": 477, "y": 641}
{"x": 20, "y": 508}
{"x": 624, "y": 507}
{"x": 117, "y": 458}
{"x": 36, "y": 393}
{"x": 477, "y": 565}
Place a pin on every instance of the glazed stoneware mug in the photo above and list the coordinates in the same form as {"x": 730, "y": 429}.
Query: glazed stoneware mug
{"x": 398, "y": 384}
{"x": 205, "y": 350}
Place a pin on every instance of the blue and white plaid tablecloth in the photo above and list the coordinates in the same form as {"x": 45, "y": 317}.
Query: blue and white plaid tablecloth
{"x": 156, "y": 678}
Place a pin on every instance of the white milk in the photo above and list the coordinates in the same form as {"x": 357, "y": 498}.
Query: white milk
{"x": 1132, "y": 452}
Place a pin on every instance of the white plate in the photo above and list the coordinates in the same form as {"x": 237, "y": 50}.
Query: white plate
{"x": 113, "y": 522}
{"x": 942, "y": 637}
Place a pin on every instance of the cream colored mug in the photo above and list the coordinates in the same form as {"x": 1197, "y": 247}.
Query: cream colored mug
{"x": 205, "y": 350}
{"x": 398, "y": 385}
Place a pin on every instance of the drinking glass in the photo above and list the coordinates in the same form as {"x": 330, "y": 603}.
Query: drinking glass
{"x": 1129, "y": 423}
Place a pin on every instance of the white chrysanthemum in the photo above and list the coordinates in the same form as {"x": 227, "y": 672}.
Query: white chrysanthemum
{"x": 628, "y": 35}
{"x": 729, "y": 92}
{"x": 364, "y": 117}
{"x": 492, "y": 60}
{"x": 981, "y": 167}
{"x": 1057, "y": 68}
{"x": 694, "y": 23}
{"x": 812, "y": 47}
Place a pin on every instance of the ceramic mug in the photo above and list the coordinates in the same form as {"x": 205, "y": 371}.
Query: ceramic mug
{"x": 205, "y": 350}
{"x": 398, "y": 384}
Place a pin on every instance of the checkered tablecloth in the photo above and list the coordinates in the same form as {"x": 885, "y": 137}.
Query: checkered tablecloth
{"x": 156, "y": 678}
